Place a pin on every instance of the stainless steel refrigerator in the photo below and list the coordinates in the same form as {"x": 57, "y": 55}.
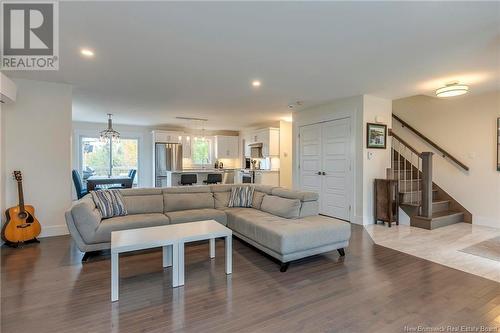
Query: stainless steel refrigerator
{"x": 168, "y": 157}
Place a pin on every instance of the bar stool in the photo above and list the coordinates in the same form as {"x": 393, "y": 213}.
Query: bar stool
{"x": 213, "y": 178}
{"x": 188, "y": 179}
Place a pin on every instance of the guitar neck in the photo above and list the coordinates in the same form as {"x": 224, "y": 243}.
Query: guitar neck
{"x": 21, "y": 195}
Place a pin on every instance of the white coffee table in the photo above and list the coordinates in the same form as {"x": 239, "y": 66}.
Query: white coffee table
{"x": 203, "y": 230}
{"x": 141, "y": 239}
{"x": 172, "y": 239}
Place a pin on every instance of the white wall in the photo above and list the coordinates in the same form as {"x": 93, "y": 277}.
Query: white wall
{"x": 380, "y": 159}
{"x": 361, "y": 109}
{"x": 37, "y": 142}
{"x": 466, "y": 127}
{"x": 2, "y": 167}
{"x": 286, "y": 154}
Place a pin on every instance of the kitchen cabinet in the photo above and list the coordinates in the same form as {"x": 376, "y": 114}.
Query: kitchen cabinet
{"x": 248, "y": 140}
{"x": 186, "y": 146}
{"x": 226, "y": 146}
{"x": 267, "y": 178}
{"x": 167, "y": 136}
{"x": 270, "y": 139}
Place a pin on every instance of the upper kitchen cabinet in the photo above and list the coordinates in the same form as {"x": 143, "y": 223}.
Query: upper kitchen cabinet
{"x": 167, "y": 136}
{"x": 226, "y": 146}
{"x": 186, "y": 146}
{"x": 270, "y": 139}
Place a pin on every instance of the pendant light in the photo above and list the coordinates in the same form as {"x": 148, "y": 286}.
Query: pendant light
{"x": 109, "y": 133}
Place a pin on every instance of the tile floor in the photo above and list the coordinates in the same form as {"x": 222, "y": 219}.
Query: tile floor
{"x": 441, "y": 245}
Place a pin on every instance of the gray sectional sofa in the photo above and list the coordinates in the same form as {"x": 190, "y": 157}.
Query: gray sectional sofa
{"x": 282, "y": 223}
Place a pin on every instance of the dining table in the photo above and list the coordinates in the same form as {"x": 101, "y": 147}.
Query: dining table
{"x": 95, "y": 181}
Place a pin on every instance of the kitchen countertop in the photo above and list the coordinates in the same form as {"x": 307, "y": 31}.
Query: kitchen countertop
{"x": 259, "y": 170}
{"x": 201, "y": 170}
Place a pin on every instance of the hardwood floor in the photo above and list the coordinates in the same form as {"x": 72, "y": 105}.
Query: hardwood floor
{"x": 45, "y": 288}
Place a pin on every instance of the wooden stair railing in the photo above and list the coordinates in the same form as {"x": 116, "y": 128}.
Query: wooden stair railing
{"x": 442, "y": 151}
{"x": 426, "y": 203}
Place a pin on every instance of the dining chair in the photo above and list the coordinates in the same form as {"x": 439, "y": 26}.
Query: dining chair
{"x": 77, "y": 180}
{"x": 131, "y": 175}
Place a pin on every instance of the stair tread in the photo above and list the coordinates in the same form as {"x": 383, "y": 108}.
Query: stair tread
{"x": 409, "y": 204}
{"x": 416, "y": 205}
{"x": 445, "y": 213}
{"x": 439, "y": 201}
{"x": 403, "y": 192}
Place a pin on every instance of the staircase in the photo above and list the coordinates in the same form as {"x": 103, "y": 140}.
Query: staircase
{"x": 427, "y": 205}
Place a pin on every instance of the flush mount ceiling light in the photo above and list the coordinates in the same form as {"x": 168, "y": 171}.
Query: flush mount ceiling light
{"x": 87, "y": 53}
{"x": 452, "y": 89}
{"x": 256, "y": 83}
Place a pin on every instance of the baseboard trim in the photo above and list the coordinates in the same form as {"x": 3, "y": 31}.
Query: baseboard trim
{"x": 357, "y": 220}
{"x": 54, "y": 230}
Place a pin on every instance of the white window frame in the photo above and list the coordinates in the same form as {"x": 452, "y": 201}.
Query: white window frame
{"x": 125, "y": 137}
{"x": 211, "y": 152}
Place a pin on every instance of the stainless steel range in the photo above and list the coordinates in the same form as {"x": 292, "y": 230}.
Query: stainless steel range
{"x": 247, "y": 176}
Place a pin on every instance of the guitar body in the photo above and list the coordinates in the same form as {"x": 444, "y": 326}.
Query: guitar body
{"x": 21, "y": 226}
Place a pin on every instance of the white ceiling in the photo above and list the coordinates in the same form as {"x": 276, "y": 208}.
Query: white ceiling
{"x": 158, "y": 60}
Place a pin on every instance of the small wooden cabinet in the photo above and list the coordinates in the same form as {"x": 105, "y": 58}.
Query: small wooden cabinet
{"x": 386, "y": 193}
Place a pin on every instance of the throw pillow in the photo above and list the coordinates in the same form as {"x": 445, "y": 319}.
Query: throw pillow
{"x": 109, "y": 202}
{"x": 241, "y": 196}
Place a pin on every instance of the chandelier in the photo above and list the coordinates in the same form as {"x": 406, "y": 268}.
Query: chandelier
{"x": 109, "y": 133}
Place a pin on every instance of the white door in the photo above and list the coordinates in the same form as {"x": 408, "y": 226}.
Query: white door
{"x": 335, "y": 146}
{"x": 310, "y": 158}
{"x": 325, "y": 165}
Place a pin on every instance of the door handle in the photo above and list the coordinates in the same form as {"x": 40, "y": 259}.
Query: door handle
{"x": 324, "y": 173}
{"x": 319, "y": 173}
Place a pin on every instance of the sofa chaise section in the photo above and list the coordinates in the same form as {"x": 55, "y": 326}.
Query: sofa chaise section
{"x": 288, "y": 239}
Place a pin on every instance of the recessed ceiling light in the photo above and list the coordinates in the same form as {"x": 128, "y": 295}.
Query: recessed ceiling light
{"x": 87, "y": 52}
{"x": 452, "y": 89}
{"x": 256, "y": 83}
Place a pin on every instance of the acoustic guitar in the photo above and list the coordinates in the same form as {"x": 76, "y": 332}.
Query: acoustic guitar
{"x": 21, "y": 225}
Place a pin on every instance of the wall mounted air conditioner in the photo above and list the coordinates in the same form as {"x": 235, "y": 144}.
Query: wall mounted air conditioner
{"x": 8, "y": 89}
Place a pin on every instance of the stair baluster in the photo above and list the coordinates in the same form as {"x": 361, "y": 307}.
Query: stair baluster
{"x": 406, "y": 166}
{"x": 427, "y": 205}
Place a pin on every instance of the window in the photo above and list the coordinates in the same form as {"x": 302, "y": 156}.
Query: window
{"x": 201, "y": 151}
{"x": 97, "y": 159}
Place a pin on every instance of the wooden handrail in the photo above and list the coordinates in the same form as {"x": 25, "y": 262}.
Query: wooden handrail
{"x": 391, "y": 133}
{"x": 443, "y": 152}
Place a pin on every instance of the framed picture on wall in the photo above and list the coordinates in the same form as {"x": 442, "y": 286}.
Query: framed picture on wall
{"x": 376, "y": 136}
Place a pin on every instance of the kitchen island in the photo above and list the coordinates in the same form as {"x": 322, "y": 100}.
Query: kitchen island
{"x": 174, "y": 177}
